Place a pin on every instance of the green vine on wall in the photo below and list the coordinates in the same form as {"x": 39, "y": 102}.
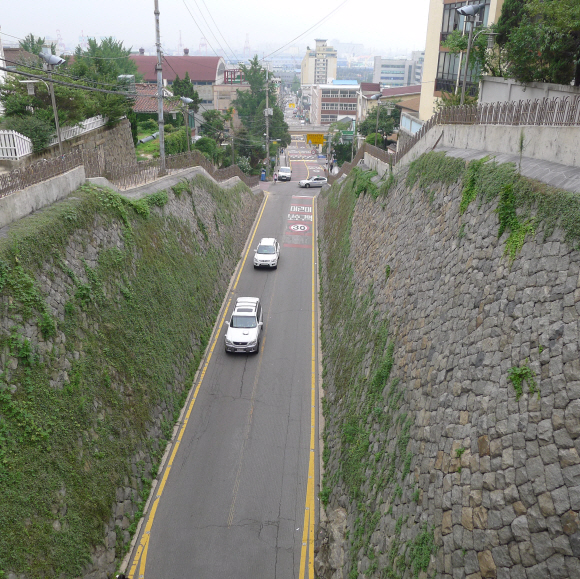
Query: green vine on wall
{"x": 520, "y": 374}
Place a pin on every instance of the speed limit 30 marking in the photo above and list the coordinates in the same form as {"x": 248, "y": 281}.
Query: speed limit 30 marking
{"x": 299, "y": 228}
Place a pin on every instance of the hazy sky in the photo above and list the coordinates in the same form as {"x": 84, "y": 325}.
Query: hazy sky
{"x": 389, "y": 26}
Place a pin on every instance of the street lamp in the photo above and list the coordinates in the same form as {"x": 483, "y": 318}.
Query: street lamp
{"x": 378, "y": 97}
{"x": 471, "y": 14}
{"x": 186, "y": 102}
{"x": 50, "y": 62}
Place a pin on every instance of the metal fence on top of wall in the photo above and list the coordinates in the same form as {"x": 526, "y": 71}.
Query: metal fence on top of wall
{"x": 553, "y": 112}
{"x": 123, "y": 176}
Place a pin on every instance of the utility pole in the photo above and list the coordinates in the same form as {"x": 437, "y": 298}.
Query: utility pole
{"x": 158, "y": 69}
{"x": 267, "y": 128}
{"x": 233, "y": 155}
{"x": 49, "y": 71}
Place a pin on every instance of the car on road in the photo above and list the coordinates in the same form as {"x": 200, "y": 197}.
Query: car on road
{"x": 245, "y": 326}
{"x": 267, "y": 254}
{"x": 313, "y": 182}
{"x": 285, "y": 174}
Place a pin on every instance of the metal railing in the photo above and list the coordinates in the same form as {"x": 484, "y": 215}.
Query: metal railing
{"x": 552, "y": 112}
{"x": 126, "y": 176}
{"x": 37, "y": 172}
{"x": 123, "y": 176}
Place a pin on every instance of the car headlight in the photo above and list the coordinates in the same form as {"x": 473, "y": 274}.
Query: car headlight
{"x": 253, "y": 342}
{"x": 228, "y": 342}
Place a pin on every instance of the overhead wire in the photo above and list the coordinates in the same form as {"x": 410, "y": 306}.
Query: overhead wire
{"x": 217, "y": 28}
{"x": 199, "y": 28}
{"x": 306, "y": 31}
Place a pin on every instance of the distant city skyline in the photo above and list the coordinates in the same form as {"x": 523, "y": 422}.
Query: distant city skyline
{"x": 226, "y": 27}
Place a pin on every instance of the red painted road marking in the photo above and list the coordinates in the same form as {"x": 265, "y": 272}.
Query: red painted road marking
{"x": 299, "y": 245}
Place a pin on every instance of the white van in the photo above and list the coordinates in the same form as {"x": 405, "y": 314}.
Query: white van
{"x": 285, "y": 174}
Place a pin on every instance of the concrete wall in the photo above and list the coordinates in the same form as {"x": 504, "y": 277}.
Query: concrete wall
{"x": 556, "y": 144}
{"x": 22, "y": 203}
{"x": 493, "y": 89}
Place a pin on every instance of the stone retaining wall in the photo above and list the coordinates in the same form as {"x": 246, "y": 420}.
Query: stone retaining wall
{"x": 497, "y": 478}
{"x": 55, "y": 281}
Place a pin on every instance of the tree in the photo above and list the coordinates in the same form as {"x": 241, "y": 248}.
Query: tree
{"x": 184, "y": 88}
{"x": 34, "y": 45}
{"x": 541, "y": 40}
{"x": 387, "y": 121}
{"x": 251, "y": 105}
{"x": 295, "y": 84}
{"x": 214, "y": 124}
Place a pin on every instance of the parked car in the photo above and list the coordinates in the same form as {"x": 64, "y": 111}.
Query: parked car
{"x": 313, "y": 182}
{"x": 245, "y": 326}
{"x": 285, "y": 174}
{"x": 267, "y": 254}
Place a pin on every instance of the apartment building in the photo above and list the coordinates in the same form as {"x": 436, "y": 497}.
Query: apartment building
{"x": 394, "y": 72}
{"x": 333, "y": 102}
{"x": 418, "y": 56}
{"x": 441, "y": 68}
{"x": 318, "y": 64}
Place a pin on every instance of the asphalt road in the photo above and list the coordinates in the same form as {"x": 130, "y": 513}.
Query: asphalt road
{"x": 237, "y": 493}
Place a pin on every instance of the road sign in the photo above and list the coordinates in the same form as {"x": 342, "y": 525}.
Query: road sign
{"x": 315, "y": 138}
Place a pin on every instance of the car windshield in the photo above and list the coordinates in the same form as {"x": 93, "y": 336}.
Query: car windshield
{"x": 243, "y": 322}
{"x": 269, "y": 249}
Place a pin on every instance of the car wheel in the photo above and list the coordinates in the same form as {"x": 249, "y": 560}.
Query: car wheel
{"x": 307, "y": 185}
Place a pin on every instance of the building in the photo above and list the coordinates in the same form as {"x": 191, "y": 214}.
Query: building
{"x": 418, "y": 56}
{"x": 319, "y": 64}
{"x": 204, "y": 71}
{"x": 363, "y": 102}
{"x": 333, "y": 102}
{"x": 441, "y": 68}
{"x": 394, "y": 72}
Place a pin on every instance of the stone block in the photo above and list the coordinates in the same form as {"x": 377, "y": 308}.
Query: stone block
{"x": 561, "y": 500}
{"x": 446, "y": 526}
{"x": 520, "y": 528}
{"x": 570, "y": 522}
{"x": 527, "y": 556}
{"x": 546, "y": 504}
{"x": 553, "y": 476}
{"x": 542, "y": 546}
{"x": 480, "y": 518}
{"x": 487, "y": 566}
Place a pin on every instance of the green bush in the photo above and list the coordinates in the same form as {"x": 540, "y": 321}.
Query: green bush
{"x": 176, "y": 142}
{"x": 148, "y": 125}
{"x": 37, "y": 130}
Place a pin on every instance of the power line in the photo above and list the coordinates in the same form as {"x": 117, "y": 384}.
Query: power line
{"x": 200, "y": 30}
{"x": 233, "y": 53}
{"x": 92, "y": 89}
{"x": 308, "y": 30}
{"x": 209, "y": 27}
{"x": 83, "y": 78}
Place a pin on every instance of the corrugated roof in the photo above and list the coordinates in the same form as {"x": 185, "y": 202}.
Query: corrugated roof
{"x": 199, "y": 68}
{"x": 402, "y": 90}
{"x": 370, "y": 87}
{"x": 411, "y": 104}
{"x": 146, "y": 101}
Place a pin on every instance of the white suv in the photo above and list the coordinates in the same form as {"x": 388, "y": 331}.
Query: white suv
{"x": 245, "y": 326}
{"x": 267, "y": 254}
{"x": 285, "y": 174}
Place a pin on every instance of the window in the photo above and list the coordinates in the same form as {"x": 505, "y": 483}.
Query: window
{"x": 452, "y": 20}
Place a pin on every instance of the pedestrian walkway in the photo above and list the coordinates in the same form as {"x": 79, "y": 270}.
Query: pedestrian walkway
{"x": 554, "y": 174}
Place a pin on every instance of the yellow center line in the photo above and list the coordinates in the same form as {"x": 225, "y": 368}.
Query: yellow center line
{"x": 309, "y": 512}
{"x": 141, "y": 553}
